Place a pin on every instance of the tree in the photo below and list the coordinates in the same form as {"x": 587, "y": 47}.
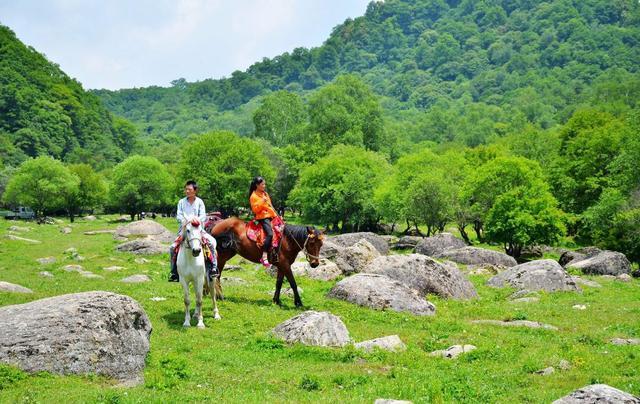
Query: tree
{"x": 280, "y": 118}
{"x": 430, "y": 200}
{"x": 42, "y": 183}
{"x": 347, "y": 112}
{"x": 524, "y": 216}
{"x": 338, "y": 188}
{"x": 92, "y": 189}
{"x": 139, "y": 184}
{"x": 224, "y": 164}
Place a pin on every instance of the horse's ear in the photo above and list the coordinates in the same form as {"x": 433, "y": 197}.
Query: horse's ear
{"x": 310, "y": 232}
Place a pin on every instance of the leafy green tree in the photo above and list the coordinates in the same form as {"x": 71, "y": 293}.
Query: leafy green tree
{"x": 224, "y": 164}
{"x": 346, "y": 111}
{"x": 338, "y": 188}
{"x": 280, "y": 118}
{"x": 431, "y": 200}
{"x": 524, "y": 216}
{"x": 42, "y": 183}
{"x": 139, "y": 184}
{"x": 92, "y": 190}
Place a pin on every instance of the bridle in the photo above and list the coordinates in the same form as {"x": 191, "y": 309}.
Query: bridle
{"x": 188, "y": 239}
{"x": 304, "y": 249}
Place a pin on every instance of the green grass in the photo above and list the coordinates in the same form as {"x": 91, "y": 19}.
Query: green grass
{"x": 235, "y": 359}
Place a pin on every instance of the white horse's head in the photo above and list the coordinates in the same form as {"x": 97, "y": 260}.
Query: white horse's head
{"x": 192, "y": 234}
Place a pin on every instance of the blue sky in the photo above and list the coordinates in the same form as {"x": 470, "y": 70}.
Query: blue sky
{"x": 137, "y": 43}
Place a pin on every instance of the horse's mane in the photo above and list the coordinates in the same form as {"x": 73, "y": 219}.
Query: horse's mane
{"x": 298, "y": 233}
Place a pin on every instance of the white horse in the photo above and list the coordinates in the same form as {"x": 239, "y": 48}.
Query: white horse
{"x": 191, "y": 268}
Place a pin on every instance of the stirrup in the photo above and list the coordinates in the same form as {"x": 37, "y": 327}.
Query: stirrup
{"x": 265, "y": 262}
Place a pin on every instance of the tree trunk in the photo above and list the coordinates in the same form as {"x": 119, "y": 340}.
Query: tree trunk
{"x": 477, "y": 227}
{"x": 408, "y": 227}
{"x": 463, "y": 233}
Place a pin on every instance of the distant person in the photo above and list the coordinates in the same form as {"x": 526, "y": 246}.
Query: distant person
{"x": 190, "y": 205}
{"x": 264, "y": 212}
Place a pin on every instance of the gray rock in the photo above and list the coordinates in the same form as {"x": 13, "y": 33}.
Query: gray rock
{"x": 71, "y": 251}
{"x": 391, "y": 401}
{"x": 143, "y": 247}
{"x": 625, "y": 341}
{"x": 89, "y": 218}
{"x": 381, "y": 292}
{"x": 90, "y": 275}
{"x": 579, "y": 307}
{"x": 113, "y": 268}
{"x": 564, "y": 364}
{"x": 545, "y": 275}
{"x": 349, "y": 239}
{"x": 45, "y": 274}
{"x": 407, "y": 242}
{"x": 329, "y": 249}
{"x": 598, "y": 393}
{"x": 532, "y": 252}
{"x": 326, "y": 271}
{"x": 531, "y": 299}
{"x": 232, "y": 280}
{"x": 85, "y": 333}
{"x": 425, "y": 275}
{"x": 568, "y": 257}
{"x": 144, "y": 261}
{"x": 122, "y": 219}
{"x": 485, "y": 269}
{"x": 624, "y": 278}
{"x": 73, "y": 268}
{"x": 517, "y": 323}
{"x": 46, "y": 260}
{"x": 453, "y": 351}
{"x": 286, "y": 291}
{"x": 26, "y": 240}
{"x": 153, "y": 230}
{"x": 232, "y": 268}
{"x": 19, "y": 228}
{"x": 391, "y": 343}
{"x": 94, "y": 232}
{"x": 585, "y": 282}
{"x": 605, "y": 263}
{"x": 136, "y": 279}
{"x": 13, "y": 288}
{"x": 546, "y": 371}
{"x": 314, "y": 328}
{"x": 438, "y": 243}
{"x": 589, "y": 251}
{"x": 355, "y": 258}
{"x": 474, "y": 255}
{"x": 66, "y": 230}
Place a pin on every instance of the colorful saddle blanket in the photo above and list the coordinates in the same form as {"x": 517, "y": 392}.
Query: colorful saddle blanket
{"x": 256, "y": 233}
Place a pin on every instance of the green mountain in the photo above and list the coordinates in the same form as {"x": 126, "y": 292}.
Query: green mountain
{"x": 446, "y": 70}
{"x": 44, "y": 112}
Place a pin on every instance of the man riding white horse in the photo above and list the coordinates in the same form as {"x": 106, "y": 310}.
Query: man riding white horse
{"x": 190, "y": 207}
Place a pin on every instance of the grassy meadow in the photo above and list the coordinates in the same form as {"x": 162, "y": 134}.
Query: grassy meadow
{"x": 235, "y": 359}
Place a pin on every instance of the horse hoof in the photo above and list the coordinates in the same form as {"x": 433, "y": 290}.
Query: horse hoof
{"x": 186, "y": 325}
{"x": 217, "y": 317}
{"x": 201, "y": 326}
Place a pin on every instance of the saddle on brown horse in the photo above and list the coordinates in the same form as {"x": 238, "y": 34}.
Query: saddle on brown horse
{"x": 256, "y": 233}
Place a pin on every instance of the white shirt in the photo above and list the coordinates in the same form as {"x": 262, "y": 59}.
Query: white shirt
{"x": 196, "y": 209}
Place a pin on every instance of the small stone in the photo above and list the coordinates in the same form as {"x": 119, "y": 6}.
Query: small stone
{"x": 142, "y": 261}
{"x": 391, "y": 343}
{"x": 94, "y": 232}
{"x": 516, "y": 323}
{"x": 19, "y": 228}
{"x": 232, "y": 267}
{"x": 230, "y": 280}
{"x": 89, "y": 218}
{"x": 113, "y": 268}
{"x": 545, "y": 371}
{"x": 13, "y": 288}
{"x": 45, "y": 274}
{"x": 91, "y": 275}
{"x": 531, "y": 299}
{"x": 453, "y": 351}
{"x": 158, "y": 299}
{"x": 46, "y": 260}
{"x": 391, "y": 401}
{"x": 564, "y": 364}
{"x": 625, "y": 341}
{"x": 136, "y": 279}
{"x": 26, "y": 240}
{"x": 65, "y": 230}
{"x": 624, "y": 278}
{"x": 73, "y": 268}
{"x": 287, "y": 291}
{"x": 580, "y": 307}
{"x": 71, "y": 251}
{"x": 585, "y": 282}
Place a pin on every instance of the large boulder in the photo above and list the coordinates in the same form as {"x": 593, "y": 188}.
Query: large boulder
{"x": 605, "y": 263}
{"x": 381, "y": 292}
{"x": 145, "y": 228}
{"x": 407, "y": 242}
{"x": 329, "y": 249}
{"x": 84, "y": 333}
{"x": 424, "y": 275}
{"x": 598, "y": 393}
{"x": 314, "y": 328}
{"x": 349, "y": 239}
{"x": 326, "y": 271}
{"x": 13, "y": 288}
{"x": 435, "y": 244}
{"x": 475, "y": 255}
{"x": 143, "y": 246}
{"x": 356, "y": 257}
{"x": 568, "y": 257}
{"x": 535, "y": 275}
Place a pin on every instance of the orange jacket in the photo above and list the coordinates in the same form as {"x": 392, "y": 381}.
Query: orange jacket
{"x": 261, "y": 205}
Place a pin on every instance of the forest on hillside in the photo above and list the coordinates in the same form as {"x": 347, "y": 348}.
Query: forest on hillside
{"x": 515, "y": 121}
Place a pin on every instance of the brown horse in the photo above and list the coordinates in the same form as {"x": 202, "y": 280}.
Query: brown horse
{"x": 231, "y": 237}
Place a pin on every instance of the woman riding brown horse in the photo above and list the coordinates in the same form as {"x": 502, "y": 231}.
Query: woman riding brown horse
{"x": 231, "y": 236}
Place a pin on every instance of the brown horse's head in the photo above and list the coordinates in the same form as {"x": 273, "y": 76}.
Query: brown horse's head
{"x": 313, "y": 245}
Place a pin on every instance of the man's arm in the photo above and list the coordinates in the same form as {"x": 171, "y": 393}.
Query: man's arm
{"x": 202, "y": 212}
{"x": 180, "y": 212}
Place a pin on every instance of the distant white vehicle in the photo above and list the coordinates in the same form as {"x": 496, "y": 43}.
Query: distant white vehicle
{"x": 21, "y": 212}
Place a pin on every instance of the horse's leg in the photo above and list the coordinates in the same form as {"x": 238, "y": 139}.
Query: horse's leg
{"x": 276, "y": 295}
{"x": 197, "y": 285}
{"x": 216, "y": 314}
{"x": 292, "y": 283}
{"x": 222, "y": 261}
{"x": 187, "y": 303}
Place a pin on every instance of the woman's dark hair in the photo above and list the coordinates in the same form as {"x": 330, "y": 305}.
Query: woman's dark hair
{"x": 254, "y": 184}
{"x": 192, "y": 183}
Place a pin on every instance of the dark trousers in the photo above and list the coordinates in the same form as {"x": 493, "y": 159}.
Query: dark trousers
{"x": 266, "y": 225}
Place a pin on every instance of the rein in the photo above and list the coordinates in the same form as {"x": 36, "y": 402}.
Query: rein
{"x": 304, "y": 248}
